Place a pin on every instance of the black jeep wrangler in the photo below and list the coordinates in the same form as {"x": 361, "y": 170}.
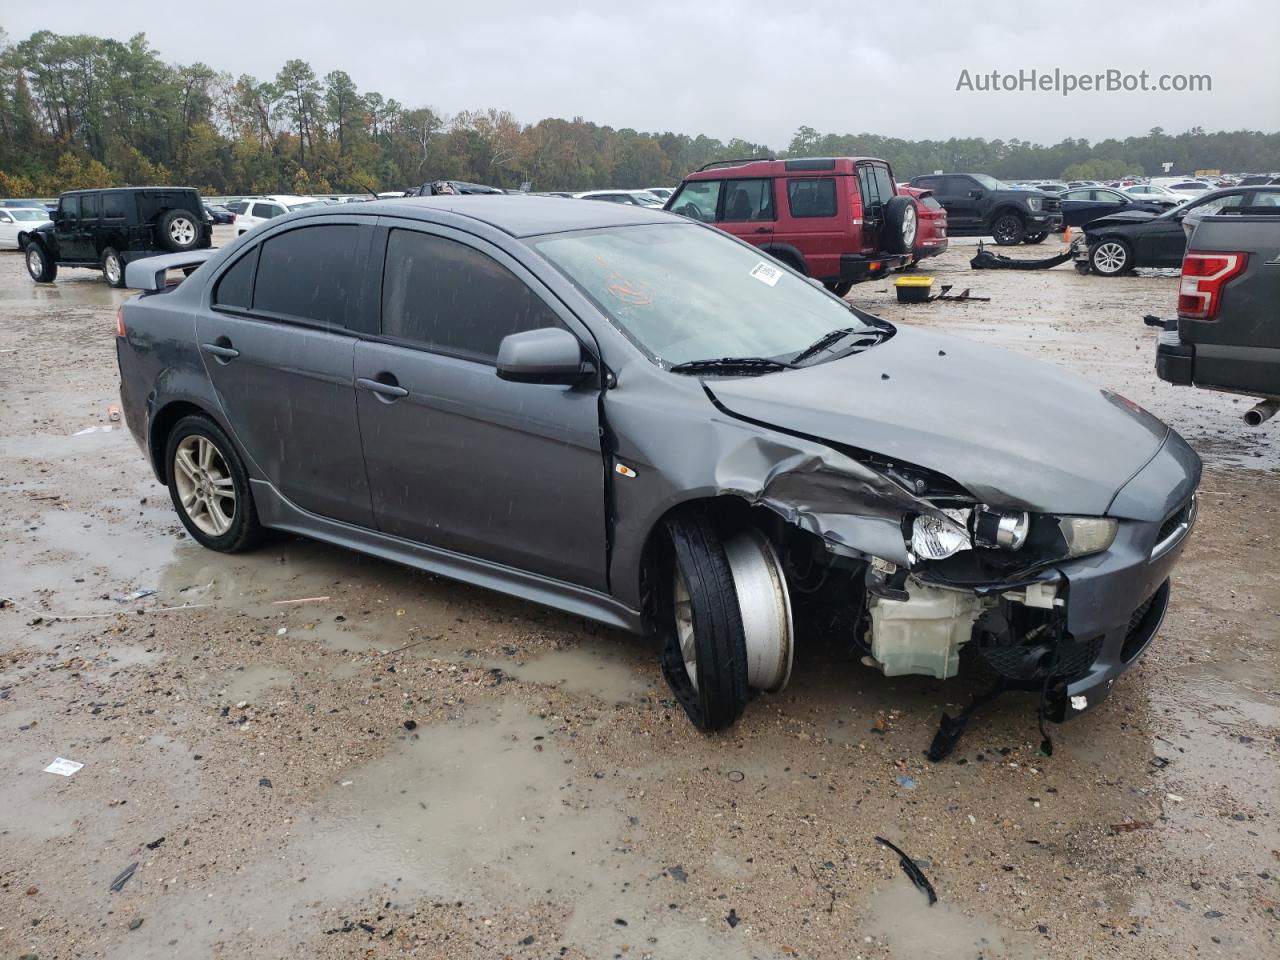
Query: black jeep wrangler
{"x": 105, "y": 229}
{"x": 981, "y": 206}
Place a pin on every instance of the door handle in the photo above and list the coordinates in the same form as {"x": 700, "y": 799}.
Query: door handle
{"x": 763, "y": 229}
{"x": 221, "y": 351}
{"x": 385, "y": 391}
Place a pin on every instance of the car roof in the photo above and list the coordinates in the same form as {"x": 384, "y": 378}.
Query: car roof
{"x": 128, "y": 189}
{"x": 514, "y": 214}
{"x": 796, "y": 166}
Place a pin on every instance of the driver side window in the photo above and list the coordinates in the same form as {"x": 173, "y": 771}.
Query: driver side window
{"x": 698, "y": 200}
{"x": 1218, "y": 203}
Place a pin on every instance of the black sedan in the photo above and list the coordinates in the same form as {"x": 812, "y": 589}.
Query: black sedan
{"x": 218, "y": 213}
{"x": 1082, "y": 204}
{"x": 1135, "y": 238}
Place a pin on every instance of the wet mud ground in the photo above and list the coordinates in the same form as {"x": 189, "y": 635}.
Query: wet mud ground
{"x": 409, "y": 766}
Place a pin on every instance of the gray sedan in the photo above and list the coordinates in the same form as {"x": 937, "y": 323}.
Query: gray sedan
{"x": 637, "y": 418}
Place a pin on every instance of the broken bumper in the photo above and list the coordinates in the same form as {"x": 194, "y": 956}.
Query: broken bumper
{"x": 1175, "y": 360}
{"x": 1116, "y": 600}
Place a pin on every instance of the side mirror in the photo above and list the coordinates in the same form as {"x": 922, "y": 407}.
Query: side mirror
{"x": 549, "y": 355}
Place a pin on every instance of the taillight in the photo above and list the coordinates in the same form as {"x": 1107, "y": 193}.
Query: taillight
{"x": 120, "y": 321}
{"x": 1204, "y": 277}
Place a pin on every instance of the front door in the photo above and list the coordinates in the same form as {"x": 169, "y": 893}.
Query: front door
{"x": 280, "y": 352}
{"x": 748, "y": 210}
{"x": 73, "y": 241}
{"x": 512, "y": 473}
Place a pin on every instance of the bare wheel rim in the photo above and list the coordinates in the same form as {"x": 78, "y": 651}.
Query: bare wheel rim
{"x": 205, "y": 487}
{"x": 182, "y": 230}
{"x": 909, "y": 227}
{"x": 1110, "y": 257}
{"x": 35, "y": 261}
{"x": 684, "y": 628}
{"x": 113, "y": 268}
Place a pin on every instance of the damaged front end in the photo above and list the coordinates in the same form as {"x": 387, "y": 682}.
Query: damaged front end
{"x": 1054, "y": 604}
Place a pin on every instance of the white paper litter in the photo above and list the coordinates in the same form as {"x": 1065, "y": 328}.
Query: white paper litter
{"x": 63, "y": 767}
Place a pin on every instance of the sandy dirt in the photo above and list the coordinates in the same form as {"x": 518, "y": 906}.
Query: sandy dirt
{"x": 409, "y": 766}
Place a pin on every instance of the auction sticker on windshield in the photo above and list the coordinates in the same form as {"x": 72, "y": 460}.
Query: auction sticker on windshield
{"x": 766, "y": 274}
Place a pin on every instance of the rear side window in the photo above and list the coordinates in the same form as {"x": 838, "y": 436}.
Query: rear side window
{"x": 812, "y": 198}
{"x": 746, "y": 200}
{"x": 453, "y": 299}
{"x": 266, "y": 210}
{"x": 309, "y": 273}
{"x": 113, "y": 205}
{"x": 235, "y": 287}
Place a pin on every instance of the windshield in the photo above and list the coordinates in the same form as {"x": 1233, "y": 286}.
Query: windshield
{"x": 991, "y": 183}
{"x": 683, "y": 292}
{"x": 25, "y": 213}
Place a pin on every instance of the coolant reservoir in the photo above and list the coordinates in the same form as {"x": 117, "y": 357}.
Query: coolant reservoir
{"x": 923, "y": 634}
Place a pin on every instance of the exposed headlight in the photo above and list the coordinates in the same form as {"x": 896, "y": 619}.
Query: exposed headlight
{"x": 1008, "y": 531}
{"x": 1085, "y": 535}
{"x": 936, "y": 538}
{"x": 1035, "y": 203}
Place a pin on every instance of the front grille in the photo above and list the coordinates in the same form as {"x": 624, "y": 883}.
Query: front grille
{"x": 1052, "y": 204}
{"x": 1026, "y": 664}
{"x": 1075, "y": 657}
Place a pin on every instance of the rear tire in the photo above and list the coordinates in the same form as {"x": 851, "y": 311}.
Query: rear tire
{"x": 42, "y": 267}
{"x": 112, "y": 268}
{"x": 178, "y": 231}
{"x": 840, "y": 288}
{"x": 1008, "y": 229}
{"x": 209, "y": 486}
{"x": 1035, "y": 237}
{"x": 704, "y": 654}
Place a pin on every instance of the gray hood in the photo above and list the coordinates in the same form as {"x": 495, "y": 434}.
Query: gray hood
{"x": 1015, "y": 432}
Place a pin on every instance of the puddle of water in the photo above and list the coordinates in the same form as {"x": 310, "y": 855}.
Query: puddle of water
{"x": 601, "y": 669}
{"x": 484, "y": 810}
{"x": 250, "y": 683}
{"x": 899, "y": 915}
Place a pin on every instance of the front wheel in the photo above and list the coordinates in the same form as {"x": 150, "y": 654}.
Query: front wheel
{"x": 40, "y": 265}
{"x": 210, "y": 487}
{"x": 840, "y": 288}
{"x": 1110, "y": 258}
{"x": 1036, "y": 237}
{"x": 1008, "y": 230}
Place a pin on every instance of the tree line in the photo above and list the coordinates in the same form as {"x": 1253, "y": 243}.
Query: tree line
{"x": 85, "y": 111}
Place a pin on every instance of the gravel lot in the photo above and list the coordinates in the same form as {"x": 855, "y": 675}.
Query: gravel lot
{"x": 409, "y": 766}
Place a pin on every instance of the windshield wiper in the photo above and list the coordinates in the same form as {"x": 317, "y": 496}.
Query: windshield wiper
{"x": 832, "y": 337}
{"x": 761, "y": 364}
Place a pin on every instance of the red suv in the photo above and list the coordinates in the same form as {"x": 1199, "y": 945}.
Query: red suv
{"x": 836, "y": 219}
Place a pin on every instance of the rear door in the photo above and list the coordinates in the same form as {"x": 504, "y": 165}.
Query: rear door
{"x": 748, "y": 210}
{"x": 278, "y": 343}
{"x": 813, "y": 222}
{"x": 511, "y": 473}
{"x": 873, "y": 201}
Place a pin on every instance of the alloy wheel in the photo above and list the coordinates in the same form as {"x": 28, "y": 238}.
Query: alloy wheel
{"x": 35, "y": 260}
{"x": 112, "y": 269}
{"x": 908, "y": 228}
{"x": 182, "y": 231}
{"x": 1110, "y": 257}
{"x": 205, "y": 487}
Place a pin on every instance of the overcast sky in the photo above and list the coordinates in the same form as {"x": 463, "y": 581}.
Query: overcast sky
{"x": 747, "y": 69}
